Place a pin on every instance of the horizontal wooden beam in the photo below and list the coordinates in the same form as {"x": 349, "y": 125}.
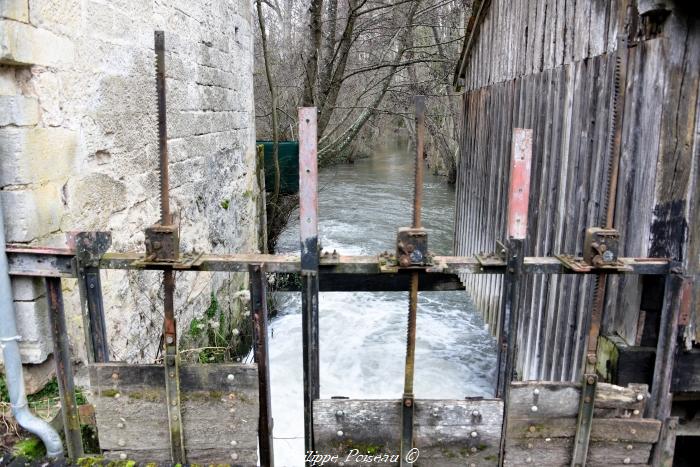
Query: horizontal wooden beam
{"x": 343, "y": 282}
{"x": 29, "y": 261}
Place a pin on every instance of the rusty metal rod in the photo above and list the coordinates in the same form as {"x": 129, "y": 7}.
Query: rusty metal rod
{"x": 420, "y": 143}
{"x": 165, "y": 215}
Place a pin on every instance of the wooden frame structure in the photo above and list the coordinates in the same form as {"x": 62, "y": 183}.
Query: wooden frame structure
{"x": 518, "y": 427}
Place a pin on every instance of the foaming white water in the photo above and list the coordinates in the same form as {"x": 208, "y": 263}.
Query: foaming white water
{"x": 363, "y": 335}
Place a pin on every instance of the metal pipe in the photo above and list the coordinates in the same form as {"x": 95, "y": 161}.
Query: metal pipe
{"x": 13, "y": 364}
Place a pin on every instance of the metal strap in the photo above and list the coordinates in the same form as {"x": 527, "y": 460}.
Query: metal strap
{"x": 172, "y": 395}
{"x": 585, "y": 420}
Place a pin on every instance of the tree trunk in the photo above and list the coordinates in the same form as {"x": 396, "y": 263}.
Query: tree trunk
{"x": 311, "y": 65}
{"x": 273, "y": 99}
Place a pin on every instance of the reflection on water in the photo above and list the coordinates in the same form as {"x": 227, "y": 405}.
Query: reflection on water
{"x": 362, "y": 343}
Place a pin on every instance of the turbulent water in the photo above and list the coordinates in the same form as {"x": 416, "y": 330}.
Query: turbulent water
{"x": 362, "y": 335}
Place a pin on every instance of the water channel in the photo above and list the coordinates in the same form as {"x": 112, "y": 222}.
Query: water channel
{"x": 362, "y": 334}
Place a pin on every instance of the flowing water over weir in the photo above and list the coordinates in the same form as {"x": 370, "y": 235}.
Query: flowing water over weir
{"x": 363, "y": 334}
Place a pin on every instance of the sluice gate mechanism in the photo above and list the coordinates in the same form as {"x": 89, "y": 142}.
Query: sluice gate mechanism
{"x": 221, "y": 413}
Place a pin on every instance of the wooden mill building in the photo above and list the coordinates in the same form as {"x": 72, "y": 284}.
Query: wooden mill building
{"x": 610, "y": 90}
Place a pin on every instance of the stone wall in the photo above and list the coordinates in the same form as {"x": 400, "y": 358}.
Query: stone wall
{"x": 78, "y": 148}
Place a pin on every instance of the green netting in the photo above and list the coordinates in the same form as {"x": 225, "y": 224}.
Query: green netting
{"x": 289, "y": 166}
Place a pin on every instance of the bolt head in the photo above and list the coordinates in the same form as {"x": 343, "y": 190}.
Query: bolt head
{"x": 234, "y": 456}
{"x": 534, "y": 408}
{"x": 339, "y": 413}
{"x": 475, "y": 413}
{"x": 120, "y": 425}
{"x": 230, "y": 377}
{"x": 626, "y": 460}
{"x": 122, "y": 456}
{"x": 234, "y": 443}
{"x": 474, "y": 434}
{"x": 590, "y": 380}
{"x": 532, "y": 429}
{"x": 640, "y": 397}
{"x": 340, "y": 433}
{"x": 635, "y": 411}
{"x": 536, "y": 392}
{"x": 629, "y": 447}
{"x": 121, "y": 442}
{"x": 169, "y": 339}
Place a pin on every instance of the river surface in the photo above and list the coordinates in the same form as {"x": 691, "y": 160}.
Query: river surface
{"x": 362, "y": 334}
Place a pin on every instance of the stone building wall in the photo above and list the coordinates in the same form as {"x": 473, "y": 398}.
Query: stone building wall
{"x": 78, "y": 148}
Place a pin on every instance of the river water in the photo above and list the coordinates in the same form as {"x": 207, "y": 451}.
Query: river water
{"x": 362, "y": 334}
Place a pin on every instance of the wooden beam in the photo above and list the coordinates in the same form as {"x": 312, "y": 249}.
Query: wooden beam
{"x": 219, "y": 416}
{"x": 447, "y": 432}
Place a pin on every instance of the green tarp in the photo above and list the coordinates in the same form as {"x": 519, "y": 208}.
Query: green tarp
{"x": 289, "y": 166}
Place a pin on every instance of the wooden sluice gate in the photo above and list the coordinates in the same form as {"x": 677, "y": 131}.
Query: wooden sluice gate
{"x": 221, "y": 413}
{"x": 541, "y": 425}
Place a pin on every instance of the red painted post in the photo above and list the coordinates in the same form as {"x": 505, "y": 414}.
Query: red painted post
{"x": 519, "y": 191}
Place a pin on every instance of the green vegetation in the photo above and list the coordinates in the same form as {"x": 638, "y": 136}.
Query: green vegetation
{"x": 219, "y": 338}
{"x": 31, "y": 448}
{"x": 225, "y": 203}
{"x": 4, "y": 396}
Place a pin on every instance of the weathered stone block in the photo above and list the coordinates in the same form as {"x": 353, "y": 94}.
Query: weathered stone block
{"x": 22, "y": 44}
{"x": 33, "y": 327}
{"x": 15, "y": 9}
{"x": 36, "y": 155}
{"x": 18, "y": 110}
{"x": 35, "y": 213}
{"x": 36, "y": 376}
{"x": 27, "y": 288}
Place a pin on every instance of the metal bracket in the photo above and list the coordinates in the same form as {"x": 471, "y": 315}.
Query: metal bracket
{"x": 407, "y": 408}
{"x": 162, "y": 243}
{"x": 187, "y": 261}
{"x": 412, "y": 247}
{"x": 584, "y": 421}
{"x": 498, "y": 258}
{"x": 329, "y": 259}
{"x": 577, "y": 264}
{"x": 90, "y": 246}
{"x": 172, "y": 395}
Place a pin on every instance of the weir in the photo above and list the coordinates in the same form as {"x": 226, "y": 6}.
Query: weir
{"x": 221, "y": 413}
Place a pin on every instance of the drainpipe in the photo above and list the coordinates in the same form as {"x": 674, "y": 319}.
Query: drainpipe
{"x": 13, "y": 364}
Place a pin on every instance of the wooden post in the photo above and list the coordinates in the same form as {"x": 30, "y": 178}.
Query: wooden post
{"x": 308, "y": 229}
{"x": 64, "y": 369}
{"x": 518, "y": 197}
{"x": 258, "y": 314}
{"x": 262, "y": 199}
{"x": 677, "y": 296}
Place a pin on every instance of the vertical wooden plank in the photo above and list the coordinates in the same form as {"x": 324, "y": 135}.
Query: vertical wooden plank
{"x": 582, "y": 23}
{"x": 640, "y": 143}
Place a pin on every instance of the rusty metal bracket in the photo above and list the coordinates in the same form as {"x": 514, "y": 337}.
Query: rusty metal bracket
{"x": 577, "y": 264}
{"x": 584, "y": 420}
{"x": 329, "y": 259}
{"x": 162, "y": 243}
{"x": 186, "y": 261}
{"x": 90, "y": 246}
{"x": 496, "y": 259}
